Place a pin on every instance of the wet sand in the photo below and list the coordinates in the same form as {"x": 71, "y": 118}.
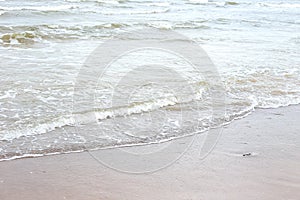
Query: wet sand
{"x": 257, "y": 157}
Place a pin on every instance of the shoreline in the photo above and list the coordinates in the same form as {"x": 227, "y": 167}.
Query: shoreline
{"x": 257, "y": 157}
{"x": 26, "y": 156}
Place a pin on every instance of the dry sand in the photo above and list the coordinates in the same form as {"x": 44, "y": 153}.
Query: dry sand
{"x": 270, "y": 171}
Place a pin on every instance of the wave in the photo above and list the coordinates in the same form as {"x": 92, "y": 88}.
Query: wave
{"x": 37, "y": 130}
{"x": 234, "y": 3}
{"x": 266, "y": 88}
{"x": 90, "y": 116}
{"x": 134, "y": 12}
{"x": 279, "y": 5}
{"x": 198, "y": 1}
{"x": 240, "y": 101}
{"x": 216, "y": 3}
{"x": 39, "y": 33}
{"x": 66, "y": 148}
{"x": 137, "y": 108}
{"x": 183, "y": 25}
{"x": 159, "y": 4}
{"x": 234, "y": 111}
{"x": 131, "y": 140}
{"x": 19, "y": 38}
{"x": 39, "y": 8}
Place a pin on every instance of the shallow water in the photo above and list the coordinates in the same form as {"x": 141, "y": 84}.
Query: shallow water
{"x": 43, "y": 45}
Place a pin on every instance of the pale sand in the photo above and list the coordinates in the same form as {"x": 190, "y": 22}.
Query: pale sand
{"x": 272, "y": 172}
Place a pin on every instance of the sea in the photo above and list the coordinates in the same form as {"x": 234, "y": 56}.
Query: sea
{"x": 48, "y": 105}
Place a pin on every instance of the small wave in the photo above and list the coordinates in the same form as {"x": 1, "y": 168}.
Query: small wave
{"x": 89, "y": 116}
{"x": 39, "y": 129}
{"x": 231, "y": 115}
{"x": 133, "y": 12}
{"x": 169, "y": 26}
{"x": 9, "y": 94}
{"x": 111, "y": 2}
{"x": 278, "y": 102}
{"x": 137, "y": 108}
{"x": 118, "y": 142}
{"x": 122, "y": 111}
{"x": 198, "y": 1}
{"x": 39, "y": 8}
{"x": 232, "y": 3}
{"x": 268, "y": 88}
{"x": 216, "y": 3}
{"x": 159, "y": 4}
{"x": 280, "y": 5}
{"x": 19, "y": 38}
{"x": 33, "y": 34}
{"x": 161, "y": 25}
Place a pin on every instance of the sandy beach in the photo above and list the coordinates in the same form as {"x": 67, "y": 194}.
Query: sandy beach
{"x": 257, "y": 157}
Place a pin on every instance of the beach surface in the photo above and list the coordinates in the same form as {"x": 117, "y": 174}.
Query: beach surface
{"x": 257, "y": 157}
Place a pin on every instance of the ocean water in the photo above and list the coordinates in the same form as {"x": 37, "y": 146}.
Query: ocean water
{"x": 44, "y": 45}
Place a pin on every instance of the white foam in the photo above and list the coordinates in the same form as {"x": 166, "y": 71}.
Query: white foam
{"x": 9, "y": 94}
{"x": 161, "y": 25}
{"x": 131, "y": 12}
{"x": 39, "y": 8}
{"x": 159, "y": 4}
{"x": 280, "y": 5}
{"x": 37, "y": 130}
{"x": 199, "y": 1}
{"x": 206, "y": 2}
{"x": 136, "y": 109}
